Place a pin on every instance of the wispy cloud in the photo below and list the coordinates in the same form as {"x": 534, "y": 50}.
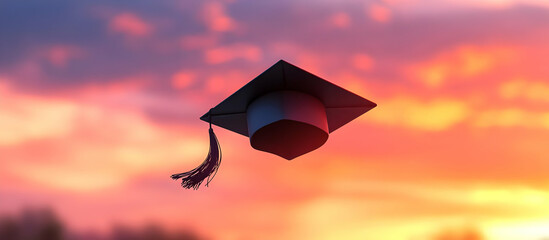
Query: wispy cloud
{"x": 130, "y": 24}
{"x": 216, "y": 18}
{"x": 379, "y": 13}
{"x": 462, "y": 63}
{"x": 224, "y": 54}
{"x": 340, "y": 20}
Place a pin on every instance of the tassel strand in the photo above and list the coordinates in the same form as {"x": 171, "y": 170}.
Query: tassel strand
{"x": 207, "y": 170}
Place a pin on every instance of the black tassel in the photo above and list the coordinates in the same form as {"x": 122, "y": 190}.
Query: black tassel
{"x": 207, "y": 170}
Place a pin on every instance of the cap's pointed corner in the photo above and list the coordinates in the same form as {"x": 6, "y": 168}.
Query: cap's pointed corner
{"x": 282, "y": 61}
{"x": 279, "y": 62}
{"x": 205, "y": 117}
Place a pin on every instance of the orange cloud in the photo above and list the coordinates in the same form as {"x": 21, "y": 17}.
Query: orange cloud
{"x": 90, "y": 145}
{"x": 340, "y": 20}
{"x": 216, "y": 18}
{"x": 461, "y": 63}
{"x": 224, "y": 54}
{"x": 433, "y": 115}
{"x": 512, "y": 117}
{"x": 520, "y": 197}
{"x": 130, "y": 24}
{"x": 379, "y": 13}
{"x": 536, "y": 91}
{"x": 442, "y": 113}
{"x": 459, "y": 234}
{"x": 25, "y": 118}
{"x": 353, "y": 83}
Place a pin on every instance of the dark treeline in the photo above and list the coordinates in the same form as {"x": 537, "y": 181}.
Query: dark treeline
{"x": 43, "y": 224}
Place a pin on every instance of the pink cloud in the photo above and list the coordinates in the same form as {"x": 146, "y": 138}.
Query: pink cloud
{"x": 226, "y": 83}
{"x": 216, "y": 18}
{"x": 362, "y": 62}
{"x": 224, "y": 54}
{"x": 183, "y": 79}
{"x": 190, "y": 42}
{"x": 511, "y": 118}
{"x": 379, "y": 13}
{"x": 130, "y": 24}
{"x": 60, "y": 55}
{"x": 340, "y": 20}
{"x": 313, "y": 61}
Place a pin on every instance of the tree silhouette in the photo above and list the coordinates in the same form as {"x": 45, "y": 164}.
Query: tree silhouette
{"x": 31, "y": 224}
{"x": 43, "y": 224}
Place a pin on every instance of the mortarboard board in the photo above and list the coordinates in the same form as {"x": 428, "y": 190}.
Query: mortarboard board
{"x": 285, "y": 110}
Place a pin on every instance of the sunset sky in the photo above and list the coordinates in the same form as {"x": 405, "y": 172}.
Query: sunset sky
{"x": 100, "y": 100}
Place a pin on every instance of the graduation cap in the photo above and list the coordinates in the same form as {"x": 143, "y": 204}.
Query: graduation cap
{"x": 285, "y": 111}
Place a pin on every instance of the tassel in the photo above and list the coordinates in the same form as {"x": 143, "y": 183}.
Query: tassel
{"x": 207, "y": 170}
